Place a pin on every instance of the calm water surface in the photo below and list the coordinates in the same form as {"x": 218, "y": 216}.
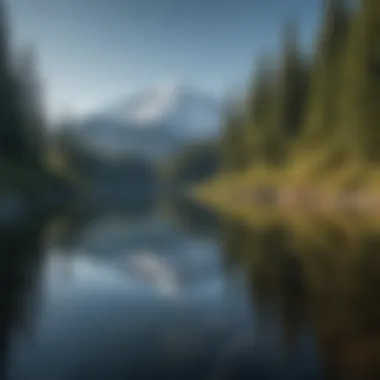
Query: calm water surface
{"x": 168, "y": 293}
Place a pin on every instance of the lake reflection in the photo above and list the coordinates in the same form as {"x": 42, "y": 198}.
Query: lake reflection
{"x": 163, "y": 294}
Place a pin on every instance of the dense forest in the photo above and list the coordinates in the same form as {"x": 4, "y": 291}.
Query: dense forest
{"x": 196, "y": 162}
{"x": 310, "y": 121}
{"x": 25, "y": 147}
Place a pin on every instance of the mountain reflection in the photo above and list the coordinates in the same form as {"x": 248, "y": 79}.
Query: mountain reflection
{"x": 320, "y": 275}
{"x": 169, "y": 248}
{"x": 233, "y": 300}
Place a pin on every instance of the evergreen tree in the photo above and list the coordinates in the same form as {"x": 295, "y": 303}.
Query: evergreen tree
{"x": 293, "y": 89}
{"x": 20, "y": 121}
{"x": 259, "y": 108}
{"x": 233, "y": 155}
{"x": 360, "y": 101}
{"x": 31, "y": 109}
{"x": 10, "y": 135}
{"x": 259, "y": 96}
{"x": 322, "y": 110}
{"x": 290, "y": 96}
{"x": 276, "y": 103}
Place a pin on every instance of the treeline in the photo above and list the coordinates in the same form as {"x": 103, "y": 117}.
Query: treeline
{"x": 197, "y": 162}
{"x": 194, "y": 163}
{"x": 22, "y": 128}
{"x": 318, "y": 113}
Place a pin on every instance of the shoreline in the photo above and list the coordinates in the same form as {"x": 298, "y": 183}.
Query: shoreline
{"x": 295, "y": 198}
{"x": 314, "y": 199}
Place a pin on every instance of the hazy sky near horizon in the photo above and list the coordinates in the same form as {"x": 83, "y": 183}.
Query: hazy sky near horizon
{"x": 92, "y": 52}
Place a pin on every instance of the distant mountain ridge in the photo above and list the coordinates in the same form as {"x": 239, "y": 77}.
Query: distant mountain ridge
{"x": 155, "y": 122}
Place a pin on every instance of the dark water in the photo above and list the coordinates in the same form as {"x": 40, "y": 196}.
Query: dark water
{"x": 172, "y": 292}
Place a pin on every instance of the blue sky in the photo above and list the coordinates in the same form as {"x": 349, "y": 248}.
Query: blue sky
{"x": 92, "y": 52}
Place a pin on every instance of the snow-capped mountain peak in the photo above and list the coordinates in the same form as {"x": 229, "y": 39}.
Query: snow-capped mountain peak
{"x": 152, "y": 105}
{"x": 158, "y": 119}
{"x": 173, "y": 105}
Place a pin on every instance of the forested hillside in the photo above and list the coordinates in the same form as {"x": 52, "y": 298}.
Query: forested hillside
{"x": 310, "y": 121}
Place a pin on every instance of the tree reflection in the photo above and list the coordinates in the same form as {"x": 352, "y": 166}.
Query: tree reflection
{"x": 191, "y": 216}
{"x": 321, "y": 275}
{"x": 20, "y": 255}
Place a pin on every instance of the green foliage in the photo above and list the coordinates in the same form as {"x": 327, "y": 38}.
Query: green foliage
{"x": 322, "y": 111}
{"x": 31, "y": 109}
{"x": 293, "y": 87}
{"x": 259, "y": 111}
{"x": 233, "y": 154}
{"x": 271, "y": 120}
{"x": 359, "y": 109}
{"x": 18, "y": 115}
{"x": 321, "y": 129}
{"x": 23, "y": 134}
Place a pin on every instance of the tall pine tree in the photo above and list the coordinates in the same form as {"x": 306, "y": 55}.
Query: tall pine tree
{"x": 233, "y": 156}
{"x": 325, "y": 88}
{"x": 20, "y": 121}
{"x": 259, "y": 108}
{"x": 291, "y": 94}
{"x": 360, "y": 100}
{"x": 31, "y": 111}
